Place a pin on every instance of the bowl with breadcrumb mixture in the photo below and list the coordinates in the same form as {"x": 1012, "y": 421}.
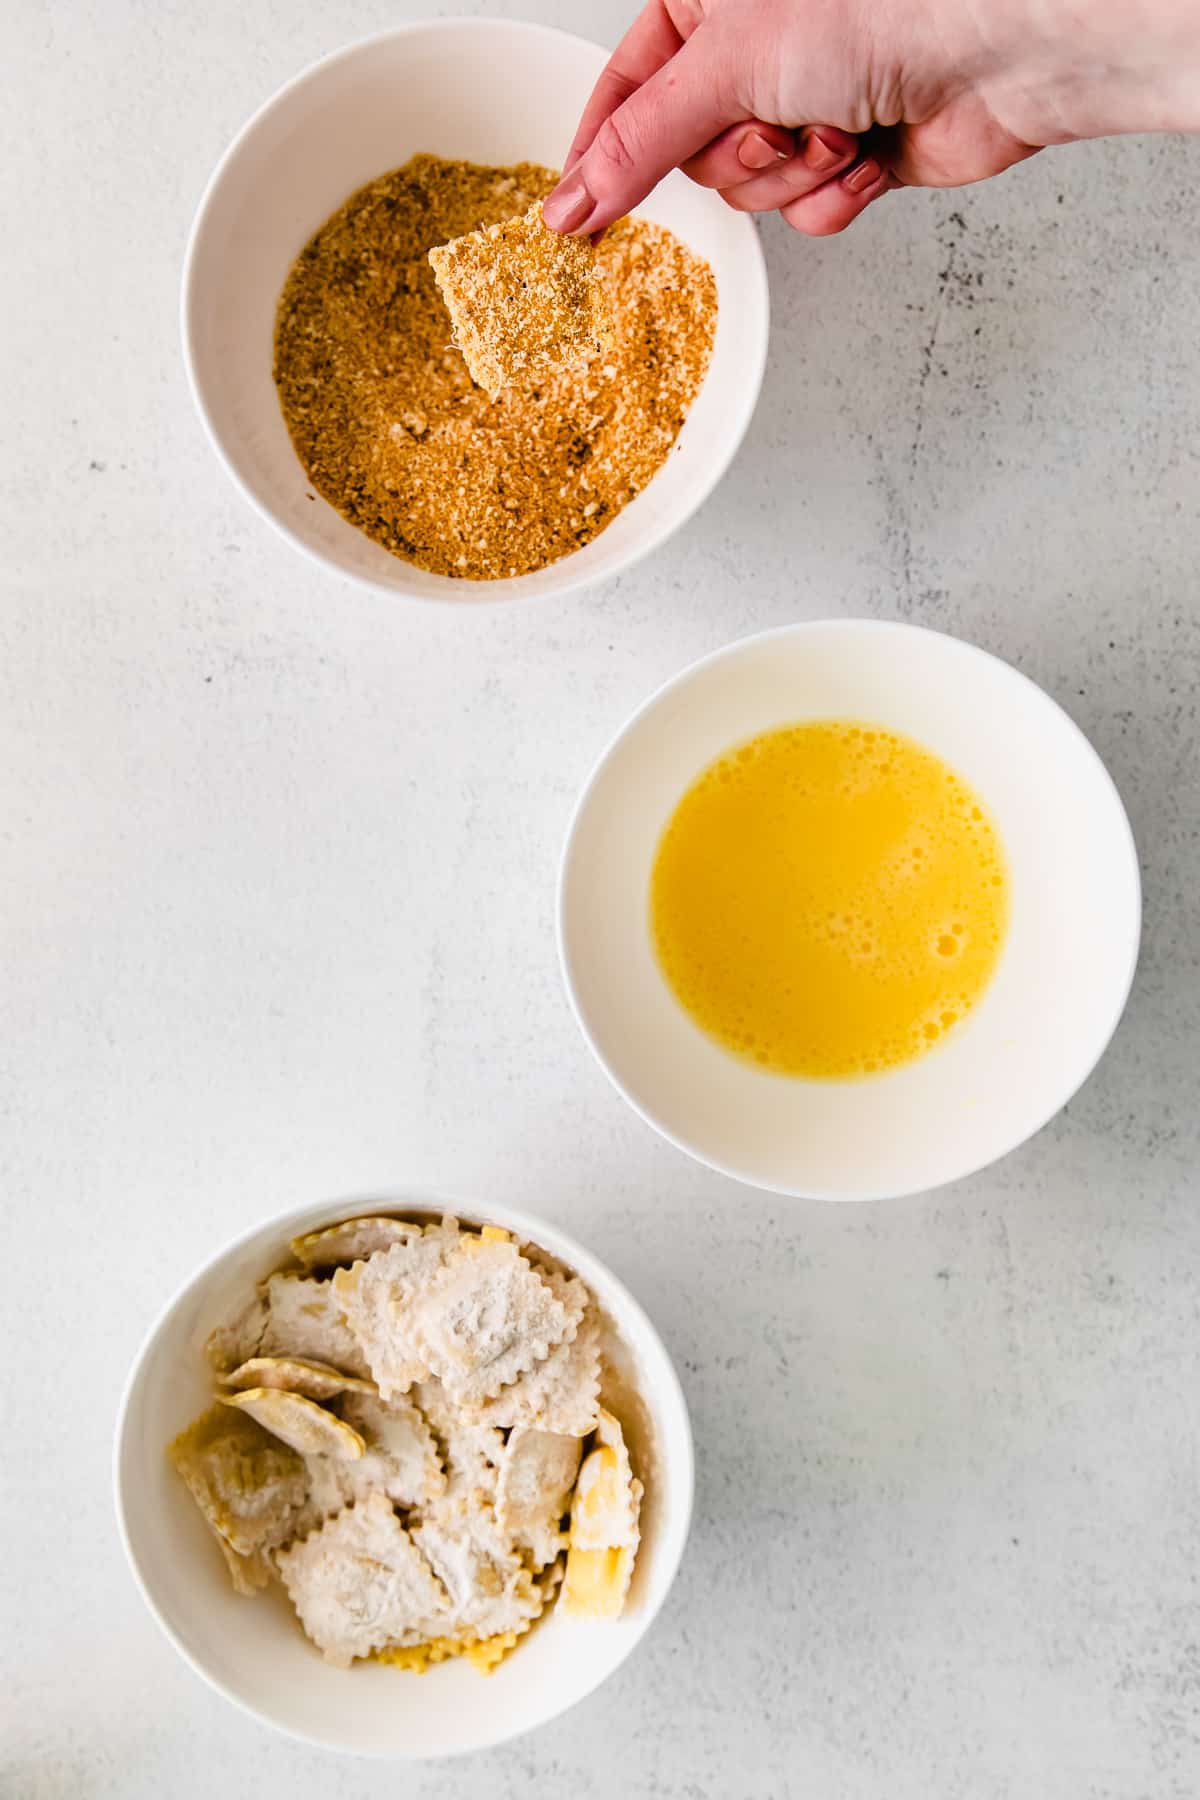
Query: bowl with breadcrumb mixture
{"x": 414, "y": 380}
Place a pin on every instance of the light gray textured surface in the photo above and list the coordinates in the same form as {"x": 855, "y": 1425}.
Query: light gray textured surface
{"x": 278, "y": 879}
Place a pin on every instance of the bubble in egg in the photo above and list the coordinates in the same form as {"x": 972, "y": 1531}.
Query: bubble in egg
{"x": 829, "y": 900}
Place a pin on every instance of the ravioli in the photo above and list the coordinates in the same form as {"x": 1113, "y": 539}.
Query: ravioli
{"x": 298, "y": 1421}
{"x": 523, "y": 300}
{"x": 560, "y": 1393}
{"x": 401, "y": 1441}
{"x": 376, "y": 1298}
{"x": 536, "y": 1478}
{"x": 248, "y": 1486}
{"x": 299, "y": 1375}
{"x": 604, "y": 1533}
{"x": 351, "y": 1241}
{"x": 360, "y": 1582}
{"x": 488, "y": 1587}
{"x": 487, "y": 1318}
{"x": 304, "y": 1319}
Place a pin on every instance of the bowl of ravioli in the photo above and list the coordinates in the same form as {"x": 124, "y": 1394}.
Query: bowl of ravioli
{"x": 402, "y": 1478}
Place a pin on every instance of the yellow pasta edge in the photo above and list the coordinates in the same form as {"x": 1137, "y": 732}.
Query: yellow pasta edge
{"x": 485, "y": 1654}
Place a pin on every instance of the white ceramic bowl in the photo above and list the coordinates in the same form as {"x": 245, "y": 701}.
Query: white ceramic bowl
{"x": 251, "y": 1650}
{"x": 491, "y": 91}
{"x": 1061, "y": 983}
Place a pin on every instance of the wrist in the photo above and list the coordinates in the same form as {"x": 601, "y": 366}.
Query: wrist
{"x": 1062, "y": 70}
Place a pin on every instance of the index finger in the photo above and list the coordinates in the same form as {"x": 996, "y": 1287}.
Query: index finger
{"x": 670, "y": 117}
{"x": 651, "y": 41}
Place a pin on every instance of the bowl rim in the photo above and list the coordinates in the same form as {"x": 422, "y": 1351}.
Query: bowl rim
{"x": 525, "y": 1224}
{"x": 852, "y": 626}
{"x": 758, "y": 319}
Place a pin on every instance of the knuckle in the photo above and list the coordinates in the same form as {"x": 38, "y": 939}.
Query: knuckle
{"x": 705, "y": 176}
{"x": 613, "y": 145}
{"x": 616, "y": 86}
{"x": 685, "y": 15}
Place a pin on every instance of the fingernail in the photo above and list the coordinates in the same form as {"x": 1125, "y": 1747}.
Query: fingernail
{"x": 820, "y": 154}
{"x": 568, "y": 206}
{"x": 754, "y": 152}
{"x": 863, "y": 176}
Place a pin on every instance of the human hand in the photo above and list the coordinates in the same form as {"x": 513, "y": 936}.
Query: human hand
{"x": 814, "y": 109}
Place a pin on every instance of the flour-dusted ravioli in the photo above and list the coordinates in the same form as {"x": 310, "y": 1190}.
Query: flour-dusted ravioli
{"x": 248, "y": 1486}
{"x": 360, "y": 1583}
{"x": 352, "y": 1241}
{"x": 454, "y": 1374}
{"x": 533, "y": 1491}
{"x": 489, "y": 1589}
{"x": 332, "y": 1485}
{"x": 549, "y": 1580}
{"x": 471, "y": 1451}
{"x": 604, "y": 1532}
{"x": 608, "y": 1495}
{"x": 376, "y": 1298}
{"x": 401, "y": 1457}
{"x": 483, "y": 1653}
{"x": 400, "y": 1460}
{"x": 298, "y": 1421}
{"x": 571, "y": 1291}
{"x": 487, "y": 1318}
{"x": 304, "y": 1319}
{"x": 240, "y": 1337}
{"x": 249, "y": 1574}
{"x": 596, "y": 1584}
{"x": 560, "y": 1393}
{"x": 298, "y": 1374}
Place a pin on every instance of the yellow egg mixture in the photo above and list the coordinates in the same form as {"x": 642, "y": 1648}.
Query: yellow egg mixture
{"x": 829, "y": 900}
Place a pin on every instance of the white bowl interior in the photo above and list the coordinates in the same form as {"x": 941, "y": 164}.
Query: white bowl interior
{"x": 1063, "y": 976}
{"x": 489, "y": 91}
{"x": 253, "y": 1651}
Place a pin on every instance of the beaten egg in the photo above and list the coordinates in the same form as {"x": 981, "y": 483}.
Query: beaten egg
{"x": 829, "y": 900}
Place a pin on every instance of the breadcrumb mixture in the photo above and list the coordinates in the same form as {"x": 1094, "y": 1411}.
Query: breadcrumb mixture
{"x": 393, "y": 432}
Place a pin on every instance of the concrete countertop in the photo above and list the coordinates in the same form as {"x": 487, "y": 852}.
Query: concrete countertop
{"x": 279, "y": 860}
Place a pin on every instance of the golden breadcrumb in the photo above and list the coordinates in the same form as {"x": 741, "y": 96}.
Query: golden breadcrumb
{"x": 391, "y": 429}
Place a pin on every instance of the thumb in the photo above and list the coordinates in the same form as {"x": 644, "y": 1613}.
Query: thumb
{"x": 668, "y": 119}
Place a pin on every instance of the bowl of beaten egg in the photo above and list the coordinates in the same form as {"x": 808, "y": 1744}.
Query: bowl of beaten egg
{"x": 307, "y": 293}
{"x": 849, "y": 910}
{"x": 283, "y": 1283}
